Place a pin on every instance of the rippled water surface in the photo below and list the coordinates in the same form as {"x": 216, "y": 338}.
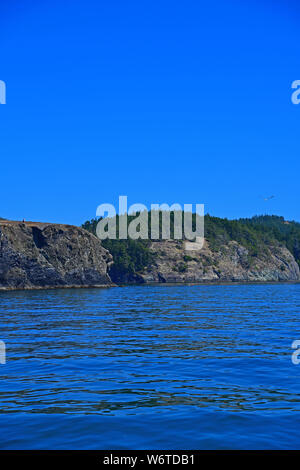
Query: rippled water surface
{"x": 185, "y": 367}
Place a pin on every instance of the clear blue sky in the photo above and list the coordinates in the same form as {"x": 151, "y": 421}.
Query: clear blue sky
{"x": 163, "y": 101}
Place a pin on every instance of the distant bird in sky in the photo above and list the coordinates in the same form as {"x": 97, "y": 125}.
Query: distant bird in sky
{"x": 268, "y": 198}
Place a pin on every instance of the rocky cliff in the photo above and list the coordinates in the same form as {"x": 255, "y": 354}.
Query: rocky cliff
{"x": 232, "y": 263}
{"x": 35, "y": 255}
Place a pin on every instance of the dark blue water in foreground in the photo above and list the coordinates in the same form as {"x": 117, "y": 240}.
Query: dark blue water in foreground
{"x": 186, "y": 367}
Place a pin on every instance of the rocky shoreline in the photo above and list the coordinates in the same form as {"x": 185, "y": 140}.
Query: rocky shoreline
{"x": 172, "y": 263}
{"x": 100, "y": 286}
{"x": 37, "y": 256}
{"x": 154, "y": 284}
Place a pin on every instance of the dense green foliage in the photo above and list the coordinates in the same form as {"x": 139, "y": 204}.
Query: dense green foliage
{"x": 256, "y": 234}
{"x": 287, "y": 233}
{"x": 130, "y": 256}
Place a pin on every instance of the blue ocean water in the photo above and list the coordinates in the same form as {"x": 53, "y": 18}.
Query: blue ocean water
{"x": 151, "y": 367}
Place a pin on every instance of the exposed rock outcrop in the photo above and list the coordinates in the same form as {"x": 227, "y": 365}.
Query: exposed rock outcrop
{"x": 173, "y": 264}
{"x": 35, "y": 255}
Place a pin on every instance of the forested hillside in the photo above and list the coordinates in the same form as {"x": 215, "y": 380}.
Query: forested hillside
{"x": 257, "y": 235}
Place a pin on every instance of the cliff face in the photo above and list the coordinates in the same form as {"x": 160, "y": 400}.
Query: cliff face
{"x": 172, "y": 263}
{"x": 36, "y": 255}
